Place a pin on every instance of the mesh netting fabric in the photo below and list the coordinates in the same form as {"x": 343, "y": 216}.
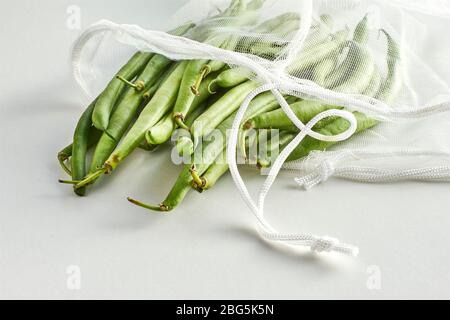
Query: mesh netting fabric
{"x": 381, "y": 66}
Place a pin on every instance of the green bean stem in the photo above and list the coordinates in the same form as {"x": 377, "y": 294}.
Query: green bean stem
{"x": 63, "y": 156}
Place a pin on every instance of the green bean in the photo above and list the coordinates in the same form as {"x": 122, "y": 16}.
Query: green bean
{"x": 310, "y": 57}
{"x": 255, "y": 5}
{"x": 202, "y": 160}
{"x": 263, "y": 103}
{"x": 66, "y": 153}
{"x": 63, "y": 156}
{"x": 270, "y": 47}
{"x": 218, "y": 112}
{"x": 201, "y": 68}
{"x": 361, "y": 33}
{"x": 234, "y": 16}
{"x": 162, "y": 131}
{"x": 80, "y": 146}
{"x": 321, "y": 32}
{"x": 110, "y": 95}
{"x": 158, "y": 106}
{"x": 359, "y": 73}
{"x": 266, "y": 159}
{"x": 388, "y": 92}
{"x": 195, "y": 73}
{"x": 374, "y": 84}
{"x": 265, "y": 28}
{"x": 213, "y": 173}
{"x": 338, "y": 126}
{"x": 323, "y": 70}
{"x": 125, "y": 112}
{"x": 230, "y": 43}
{"x": 327, "y": 20}
{"x": 184, "y": 143}
{"x": 304, "y": 110}
{"x": 355, "y": 56}
{"x": 394, "y": 82}
{"x": 229, "y": 79}
{"x": 272, "y": 24}
{"x": 188, "y": 91}
{"x": 148, "y": 95}
{"x": 147, "y": 147}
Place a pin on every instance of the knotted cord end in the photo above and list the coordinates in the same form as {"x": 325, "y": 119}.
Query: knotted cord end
{"x": 321, "y": 174}
{"x": 329, "y": 244}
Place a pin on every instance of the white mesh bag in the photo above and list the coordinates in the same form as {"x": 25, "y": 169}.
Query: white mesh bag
{"x": 377, "y": 73}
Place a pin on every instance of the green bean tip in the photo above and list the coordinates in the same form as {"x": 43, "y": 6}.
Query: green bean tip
{"x": 68, "y": 181}
{"x": 160, "y": 208}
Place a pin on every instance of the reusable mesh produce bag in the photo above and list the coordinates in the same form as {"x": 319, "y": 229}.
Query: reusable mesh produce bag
{"x": 377, "y": 73}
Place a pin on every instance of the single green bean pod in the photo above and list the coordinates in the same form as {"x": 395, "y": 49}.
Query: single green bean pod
{"x": 80, "y": 147}
{"x": 265, "y": 159}
{"x": 218, "y": 112}
{"x": 394, "y": 82}
{"x": 66, "y": 153}
{"x": 304, "y": 110}
{"x": 338, "y": 126}
{"x": 109, "y": 96}
{"x": 312, "y": 56}
{"x": 229, "y": 79}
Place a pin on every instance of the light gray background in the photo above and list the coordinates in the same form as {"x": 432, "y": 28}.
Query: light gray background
{"x": 207, "y": 248}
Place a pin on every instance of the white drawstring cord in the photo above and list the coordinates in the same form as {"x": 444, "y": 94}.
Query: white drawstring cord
{"x": 318, "y": 244}
{"x": 332, "y": 166}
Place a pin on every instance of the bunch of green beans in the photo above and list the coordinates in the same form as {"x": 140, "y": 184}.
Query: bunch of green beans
{"x": 153, "y": 100}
